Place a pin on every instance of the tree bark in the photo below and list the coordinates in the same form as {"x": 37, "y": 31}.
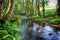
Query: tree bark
{"x": 43, "y": 8}
{"x": 58, "y": 8}
{"x": 38, "y": 6}
{"x": 1, "y": 6}
{"x": 10, "y": 10}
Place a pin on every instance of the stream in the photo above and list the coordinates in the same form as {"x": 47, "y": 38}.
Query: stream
{"x": 49, "y": 32}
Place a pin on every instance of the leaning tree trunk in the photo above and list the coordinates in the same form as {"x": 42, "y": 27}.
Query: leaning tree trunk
{"x": 43, "y": 8}
{"x": 1, "y": 6}
{"x": 58, "y": 8}
{"x": 10, "y": 10}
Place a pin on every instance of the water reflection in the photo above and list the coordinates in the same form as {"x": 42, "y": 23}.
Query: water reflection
{"x": 48, "y": 32}
{"x": 24, "y": 27}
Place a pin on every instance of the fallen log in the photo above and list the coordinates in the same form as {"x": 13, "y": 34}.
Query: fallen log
{"x": 56, "y": 26}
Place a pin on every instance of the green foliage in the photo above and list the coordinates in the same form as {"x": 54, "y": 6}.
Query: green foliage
{"x": 18, "y": 4}
{"x": 41, "y": 20}
{"x": 50, "y": 12}
{"x": 10, "y": 31}
{"x": 5, "y": 7}
{"x": 52, "y": 20}
{"x": 55, "y": 20}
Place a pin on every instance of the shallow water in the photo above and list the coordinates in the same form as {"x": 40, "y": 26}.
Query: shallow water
{"x": 48, "y": 34}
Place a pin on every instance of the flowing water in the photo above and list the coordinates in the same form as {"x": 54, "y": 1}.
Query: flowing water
{"x": 48, "y": 34}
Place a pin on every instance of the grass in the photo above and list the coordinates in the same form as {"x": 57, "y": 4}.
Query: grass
{"x": 49, "y": 11}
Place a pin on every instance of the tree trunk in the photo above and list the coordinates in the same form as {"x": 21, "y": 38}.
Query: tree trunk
{"x": 10, "y": 10}
{"x": 58, "y": 8}
{"x": 38, "y": 6}
{"x": 1, "y": 6}
{"x": 23, "y": 4}
{"x": 32, "y": 8}
{"x": 43, "y": 8}
{"x": 26, "y": 8}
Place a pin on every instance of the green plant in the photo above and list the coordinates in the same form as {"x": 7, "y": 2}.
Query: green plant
{"x": 10, "y": 31}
